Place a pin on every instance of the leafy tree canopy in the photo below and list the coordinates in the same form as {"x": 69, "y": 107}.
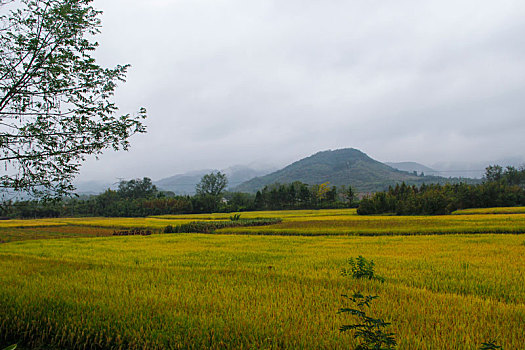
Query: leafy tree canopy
{"x": 209, "y": 191}
{"x": 212, "y": 184}
{"x": 137, "y": 188}
{"x": 55, "y": 101}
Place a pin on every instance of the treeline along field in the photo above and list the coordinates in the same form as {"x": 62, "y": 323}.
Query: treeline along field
{"x": 501, "y": 188}
{"x": 140, "y": 198}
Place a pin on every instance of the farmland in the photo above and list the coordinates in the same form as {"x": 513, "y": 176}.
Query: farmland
{"x": 390, "y": 225}
{"x": 500, "y": 210}
{"x": 278, "y": 287}
{"x": 295, "y": 222}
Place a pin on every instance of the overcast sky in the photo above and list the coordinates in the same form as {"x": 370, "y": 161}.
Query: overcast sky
{"x": 249, "y": 81}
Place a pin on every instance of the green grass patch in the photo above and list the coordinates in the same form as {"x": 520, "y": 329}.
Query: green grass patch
{"x": 212, "y": 226}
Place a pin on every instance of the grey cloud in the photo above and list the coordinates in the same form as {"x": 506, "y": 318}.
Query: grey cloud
{"x": 228, "y": 82}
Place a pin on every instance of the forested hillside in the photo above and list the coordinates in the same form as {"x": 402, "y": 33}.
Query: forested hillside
{"x": 341, "y": 167}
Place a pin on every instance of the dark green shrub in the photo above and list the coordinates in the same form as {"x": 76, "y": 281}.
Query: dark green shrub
{"x": 361, "y": 268}
{"x": 235, "y": 217}
{"x": 211, "y": 226}
{"x": 491, "y": 345}
{"x": 132, "y": 232}
{"x": 369, "y": 331}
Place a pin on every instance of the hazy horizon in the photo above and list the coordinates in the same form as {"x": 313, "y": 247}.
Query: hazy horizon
{"x": 444, "y": 169}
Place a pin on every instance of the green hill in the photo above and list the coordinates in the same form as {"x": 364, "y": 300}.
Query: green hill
{"x": 340, "y": 167}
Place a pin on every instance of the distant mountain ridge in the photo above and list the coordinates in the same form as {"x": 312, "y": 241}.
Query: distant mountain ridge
{"x": 346, "y": 166}
{"x": 93, "y": 187}
{"x": 413, "y": 166}
{"x": 475, "y": 169}
{"x": 185, "y": 183}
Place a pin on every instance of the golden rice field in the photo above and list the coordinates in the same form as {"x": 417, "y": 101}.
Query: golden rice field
{"x": 389, "y": 225}
{"x": 172, "y": 291}
{"x": 47, "y": 232}
{"x": 284, "y": 214}
{"x": 16, "y": 230}
{"x": 499, "y": 210}
{"x": 198, "y": 291}
{"x": 295, "y": 222}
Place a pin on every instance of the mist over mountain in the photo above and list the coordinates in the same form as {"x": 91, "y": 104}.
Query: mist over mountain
{"x": 185, "y": 183}
{"x": 94, "y": 187}
{"x": 182, "y": 183}
{"x": 413, "y": 166}
{"x": 463, "y": 169}
{"x": 473, "y": 169}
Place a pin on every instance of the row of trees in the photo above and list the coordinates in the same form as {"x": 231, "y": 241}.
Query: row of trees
{"x": 298, "y": 195}
{"x": 140, "y": 197}
{"x": 501, "y": 187}
{"x": 137, "y": 197}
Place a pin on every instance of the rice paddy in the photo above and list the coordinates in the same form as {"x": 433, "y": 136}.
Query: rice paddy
{"x": 16, "y": 230}
{"x": 499, "y": 210}
{"x": 390, "y": 225}
{"x": 294, "y": 222}
{"x": 170, "y": 291}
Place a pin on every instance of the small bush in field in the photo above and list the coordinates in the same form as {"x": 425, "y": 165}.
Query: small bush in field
{"x": 235, "y": 217}
{"x": 361, "y": 268}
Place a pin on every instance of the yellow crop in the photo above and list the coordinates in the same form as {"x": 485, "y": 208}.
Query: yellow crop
{"x": 226, "y": 291}
{"x": 499, "y": 210}
{"x": 152, "y": 222}
{"x": 295, "y": 222}
{"x": 234, "y": 291}
{"x": 285, "y": 214}
{"x": 30, "y": 223}
{"x": 381, "y": 225}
